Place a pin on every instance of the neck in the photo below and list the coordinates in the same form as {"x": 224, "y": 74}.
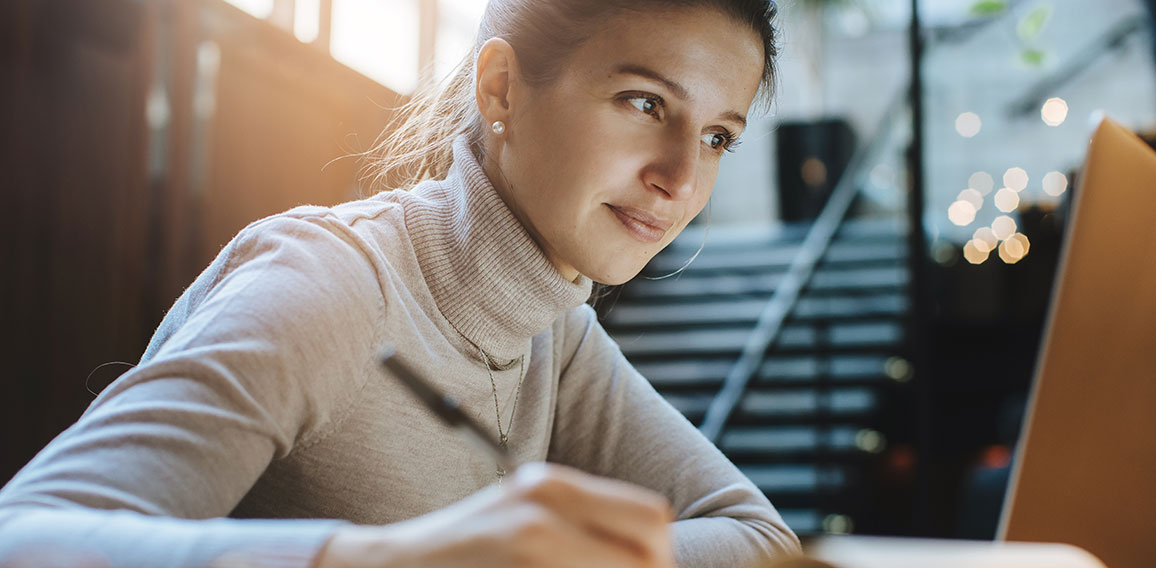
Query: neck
{"x": 502, "y": 185}
{"x": 486, "y": 270}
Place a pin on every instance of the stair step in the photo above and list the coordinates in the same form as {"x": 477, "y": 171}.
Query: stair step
{"x": 805, "y": 402}
{"x": 758, "y": 236}
{"x": 740, "y": 310}
{"x": 840, "y": 368}
{"x": 775, "y": 371}
{"x": 809, "y": 406}
{"x": 803, "y": 521}
{"x": 792, "y": 439}
{"x": 729, "y": 285}
{"x": 795, "y": 478}
{"x": 730, "y": 340}
{"x": 774, "y": 256}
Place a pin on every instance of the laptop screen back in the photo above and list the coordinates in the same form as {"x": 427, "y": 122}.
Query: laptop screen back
{"x": 1085, "y": 472}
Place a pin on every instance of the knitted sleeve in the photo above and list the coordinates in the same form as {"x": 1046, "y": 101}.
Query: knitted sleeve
{"x": 257, "y": 357}
{"x": 611, "y": 422}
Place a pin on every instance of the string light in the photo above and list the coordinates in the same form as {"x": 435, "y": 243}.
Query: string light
{"x": 1015, "y": 179}
{"x": 985, "y": 239}
{"x": 961, "y": 213}
{"x": 1006, "y": 200}
{"x": 1055, "y": 183}
{"x": 1054, "y": 111}
{"x": 1003, "y": 227}
{"x": 968, "y": 124}
{"x": 976, "y": 251}
{"x": 981, "y": 182}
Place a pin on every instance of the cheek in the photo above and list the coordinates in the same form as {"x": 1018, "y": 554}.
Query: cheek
{"x": 706, "y": 187}
{"x": 565, "y": 148}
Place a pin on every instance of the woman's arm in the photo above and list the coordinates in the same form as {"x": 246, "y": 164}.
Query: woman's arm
{"x": 611, "y": 422}
{"x": 264, "y": 358}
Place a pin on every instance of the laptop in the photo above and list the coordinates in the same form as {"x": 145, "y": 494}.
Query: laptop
{"x": 1086, "y": 467}
{"x": 1085, "y": 472}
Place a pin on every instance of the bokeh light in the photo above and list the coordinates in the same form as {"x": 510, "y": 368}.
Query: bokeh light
{"x": 1014, "y": 249}
{"x": 838, "y": 524}
{"x": 1054, "y": 111}
{"x": 981, "y": 182}
{"x": 968, "y": 124}
{"x": 973, "y": 252}
{"x": 961, "y": 213}
{"x": 871, "y": 441}
{"x": 1022, "y": 240}
{"x": 1015, "y": 179}
{"x": 971, "y": 196}
{"x": 985, "y": 239}
{"x": 897, "y": 368}
{"x": 814, "y": 172}
{"x": 1003, "y": 227}
{"x": 1006, "y": 200}
{"x": 1055, "y": 183}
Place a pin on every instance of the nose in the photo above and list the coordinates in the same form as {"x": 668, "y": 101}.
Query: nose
{"x": 674, "y": 167}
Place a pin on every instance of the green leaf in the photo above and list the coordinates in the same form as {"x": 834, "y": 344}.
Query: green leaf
{"x": 1032, "y": 24}
{"x": 1032, "y": 57}
{"x": 988, "y": 7}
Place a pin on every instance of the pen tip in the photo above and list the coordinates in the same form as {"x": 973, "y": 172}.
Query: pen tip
{"x": 387, "y": 351}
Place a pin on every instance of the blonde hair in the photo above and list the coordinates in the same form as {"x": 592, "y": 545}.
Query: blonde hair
{"x": 417, "y": 143}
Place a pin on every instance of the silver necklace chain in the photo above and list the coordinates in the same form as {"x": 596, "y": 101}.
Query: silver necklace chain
{"x": 504, "y": 437}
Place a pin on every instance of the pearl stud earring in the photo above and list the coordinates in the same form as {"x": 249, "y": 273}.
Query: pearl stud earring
{"x": 498, "y": 127}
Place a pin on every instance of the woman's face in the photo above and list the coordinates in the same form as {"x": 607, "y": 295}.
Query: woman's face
{"x": 609, "y": 162}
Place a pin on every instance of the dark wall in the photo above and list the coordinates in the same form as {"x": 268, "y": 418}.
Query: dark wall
{"x": 113, "y": 214}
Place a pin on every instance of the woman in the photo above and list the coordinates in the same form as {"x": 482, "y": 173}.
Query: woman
{"x": 579, "y": 140}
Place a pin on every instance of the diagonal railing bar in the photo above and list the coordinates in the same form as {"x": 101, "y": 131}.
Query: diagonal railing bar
{"x": 815, "y": 244}
{"x": 1065, "y": 73}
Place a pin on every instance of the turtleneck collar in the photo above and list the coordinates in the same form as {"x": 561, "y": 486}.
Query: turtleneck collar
{"x": 488, "y": 277}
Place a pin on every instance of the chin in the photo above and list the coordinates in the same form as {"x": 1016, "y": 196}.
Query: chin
{"x": 614, "y": 273}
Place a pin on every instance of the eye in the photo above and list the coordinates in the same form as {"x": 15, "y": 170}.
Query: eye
{"x": 648, "y": 104}
{"x": 721, "y": 141}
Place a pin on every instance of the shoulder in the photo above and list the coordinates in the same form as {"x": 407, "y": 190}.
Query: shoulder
{"x": 307, "y": 268}
{"x": 355, "y": 228}
{"x": 578, "y": 333}
{"x": 355, "y": 243}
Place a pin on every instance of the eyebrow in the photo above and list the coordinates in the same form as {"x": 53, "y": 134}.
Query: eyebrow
{"x": 678, "y": 90}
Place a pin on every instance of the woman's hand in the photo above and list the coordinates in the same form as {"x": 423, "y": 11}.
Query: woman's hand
{"x": 545, "y": 515}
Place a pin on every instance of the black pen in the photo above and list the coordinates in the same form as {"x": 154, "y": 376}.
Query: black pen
{"x": 447, "y": 408}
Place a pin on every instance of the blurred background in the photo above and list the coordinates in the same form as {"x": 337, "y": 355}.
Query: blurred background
{"x": 858, "y": 332}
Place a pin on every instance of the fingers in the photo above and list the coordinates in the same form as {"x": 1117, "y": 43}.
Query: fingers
{"x": 546, "y": 539}
{"x": 626, "y": 516}
{"x": 546, "y": 516}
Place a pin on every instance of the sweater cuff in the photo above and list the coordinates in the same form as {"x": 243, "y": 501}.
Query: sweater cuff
{"x": 90, "y": 537}
{"x": 275, "y": 544}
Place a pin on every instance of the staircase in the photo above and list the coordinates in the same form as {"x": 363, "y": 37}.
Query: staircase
{"x": 811, "y": 423}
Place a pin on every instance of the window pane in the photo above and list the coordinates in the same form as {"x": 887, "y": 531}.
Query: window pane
{"x": 1010, "y": 105}
{"x": 258, "y": 8}
{"x": 457, "y": 29}
{"x": 378, "y": 38}
{"x": 307, "y": 19}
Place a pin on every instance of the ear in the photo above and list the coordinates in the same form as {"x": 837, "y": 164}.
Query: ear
{"x": 497, "y": 70}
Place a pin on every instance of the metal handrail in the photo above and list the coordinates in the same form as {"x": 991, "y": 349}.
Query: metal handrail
{"x": 1111, "y": 39}
{"x": 815, "y": 244}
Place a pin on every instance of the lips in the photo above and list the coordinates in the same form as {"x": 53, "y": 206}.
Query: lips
{"x": 641, "y": 224}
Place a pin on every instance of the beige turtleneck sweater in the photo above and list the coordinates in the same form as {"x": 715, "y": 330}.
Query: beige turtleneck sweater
{"x": 260, "y": 397}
